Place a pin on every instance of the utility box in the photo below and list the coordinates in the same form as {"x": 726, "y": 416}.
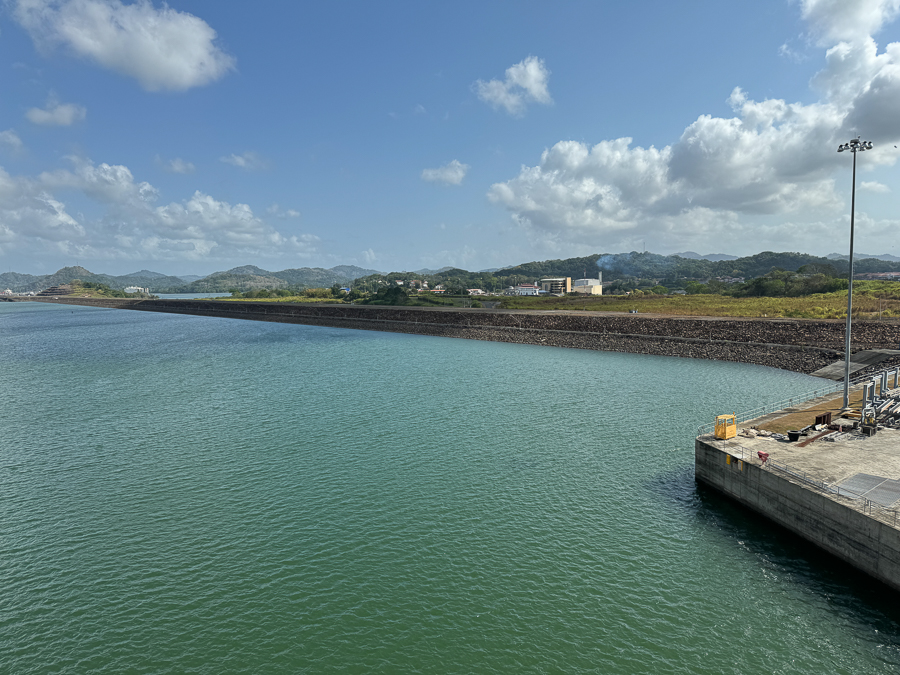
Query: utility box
{"x": 726, "y": 427}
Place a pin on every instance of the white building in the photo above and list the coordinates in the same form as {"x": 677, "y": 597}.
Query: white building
{"x": 588, "y": 286}
{"x": 137, "y": 289}
{"x": 527, "y": 289}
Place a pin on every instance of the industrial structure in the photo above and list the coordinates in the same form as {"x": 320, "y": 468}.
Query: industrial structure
{"x": 833, "y": 481}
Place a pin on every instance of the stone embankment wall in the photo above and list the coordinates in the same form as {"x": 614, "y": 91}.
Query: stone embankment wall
{"x": 792, "y": 344}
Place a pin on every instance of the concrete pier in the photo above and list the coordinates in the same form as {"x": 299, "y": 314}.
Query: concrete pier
{"x": 837, "y": 490}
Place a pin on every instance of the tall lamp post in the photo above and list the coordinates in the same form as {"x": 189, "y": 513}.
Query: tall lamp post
{"x": 855, "y": 145}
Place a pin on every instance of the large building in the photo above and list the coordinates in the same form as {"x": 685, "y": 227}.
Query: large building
{"x": 557, "y": 285}
{"x": 588, "y": 286}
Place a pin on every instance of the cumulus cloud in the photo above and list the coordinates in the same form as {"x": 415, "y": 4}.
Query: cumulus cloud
{"x": 132, "y": 225}
{"x": 57, "y": 114}
{"x": 162, "y": 48}
{"x": 249, "y": 160}
{"x": 450, "y": 174}
{"x": 874, "y": 186}
{"x": 10, "y": 140}
{"x": 851, "y": 21}
{"x": 27, "y": 209}
{"x": 771, "y": 160}
{"x": 525, "y": 81}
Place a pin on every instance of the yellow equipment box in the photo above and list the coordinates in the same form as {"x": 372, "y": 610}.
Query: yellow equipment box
{"x": 726, "y": 427}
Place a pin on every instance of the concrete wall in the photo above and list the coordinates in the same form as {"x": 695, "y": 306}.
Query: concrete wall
{"x": 852, "y": 536}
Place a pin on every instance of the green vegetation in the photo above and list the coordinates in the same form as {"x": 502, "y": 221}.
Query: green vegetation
{"x": 767, "y": 284}
{"x": 625, "y": 272}
{"x": 871, "y": 300}
{"x": 93, "y": 289}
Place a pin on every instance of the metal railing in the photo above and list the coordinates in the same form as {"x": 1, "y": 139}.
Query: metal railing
{"x": 879, "y": 512}
{"x": 798, "y": 399}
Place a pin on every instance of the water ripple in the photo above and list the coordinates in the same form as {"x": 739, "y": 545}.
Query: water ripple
{"x": 180, "y": 494}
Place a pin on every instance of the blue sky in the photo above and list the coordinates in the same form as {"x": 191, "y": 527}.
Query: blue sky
{"x": 197, "y": 136}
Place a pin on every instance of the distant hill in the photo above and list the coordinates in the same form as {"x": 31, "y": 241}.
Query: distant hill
{"x": 245, "y": 277}
{"x": 714, "y": 257}
{"x": 23, "y": 283}
{"x": 425, "y": 272}
{"x": 613, "y": 266}
{"x": 252, "y": 278}
{"x": 352, "y": 271}
{"x": 862, "y": 256}
{"x": 146, "y": 274}
{"x": 654, "y": 266}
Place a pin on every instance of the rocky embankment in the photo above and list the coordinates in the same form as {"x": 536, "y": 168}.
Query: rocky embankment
{"x": 792, "y": 344}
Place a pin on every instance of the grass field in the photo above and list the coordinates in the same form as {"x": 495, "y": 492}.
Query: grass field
{"x": 871, "y": 300}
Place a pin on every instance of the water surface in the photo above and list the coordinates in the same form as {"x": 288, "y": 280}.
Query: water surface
{"x": 189, "y": 494}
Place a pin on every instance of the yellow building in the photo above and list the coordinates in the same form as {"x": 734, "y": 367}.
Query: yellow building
{"x": 557, "y": 285}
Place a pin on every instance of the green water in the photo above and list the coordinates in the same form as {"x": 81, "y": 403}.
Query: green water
{"x": 190, "y": 495}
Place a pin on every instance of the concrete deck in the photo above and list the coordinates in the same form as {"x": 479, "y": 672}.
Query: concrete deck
{"x": 842, "y": 495}
{"x": 830, "y": 461}
{"x": 858, "y": 361}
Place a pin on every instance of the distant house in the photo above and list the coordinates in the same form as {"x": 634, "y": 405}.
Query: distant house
{"x": 137, "y": 289}
{"x": 527, "y": 289}
{"x": 475, "y": 291}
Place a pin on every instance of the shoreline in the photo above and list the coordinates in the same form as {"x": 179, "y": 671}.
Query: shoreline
{"x": 798, "y": 345}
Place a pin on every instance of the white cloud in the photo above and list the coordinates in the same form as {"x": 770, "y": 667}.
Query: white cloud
{"x": 419, "y": 109}
{"x": 179, "y": 165}
{"x": 733, "y": 176}
{"x": 249, "y": 160}
{"x": 525, "y": 81}
{"x": 131, "y": 225}
{"x": 57, "y": 114}
{"x": 10, "y": 139}
{"x": 29, "y": 211}
{"x": 847, "y": 20}
{"x": 277, "y": 212}
{"x": 873, "y": 186}
{"x": 370, "y": 256}
{"x": 161, "y": 48}
{"x": 451, "y": 174}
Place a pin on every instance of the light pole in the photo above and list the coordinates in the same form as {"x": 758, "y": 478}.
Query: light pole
{"x": 854, "y": 145}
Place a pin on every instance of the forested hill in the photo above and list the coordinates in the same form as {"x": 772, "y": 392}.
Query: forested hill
{"x": 247, "y": 277}
{"x": 652, "y": 265}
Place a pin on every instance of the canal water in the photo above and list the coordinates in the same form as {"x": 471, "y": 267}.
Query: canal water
{"x": 196, "y": 495}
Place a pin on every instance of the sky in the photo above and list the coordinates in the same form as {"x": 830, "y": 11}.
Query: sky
{"x": 199, "y": 135}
